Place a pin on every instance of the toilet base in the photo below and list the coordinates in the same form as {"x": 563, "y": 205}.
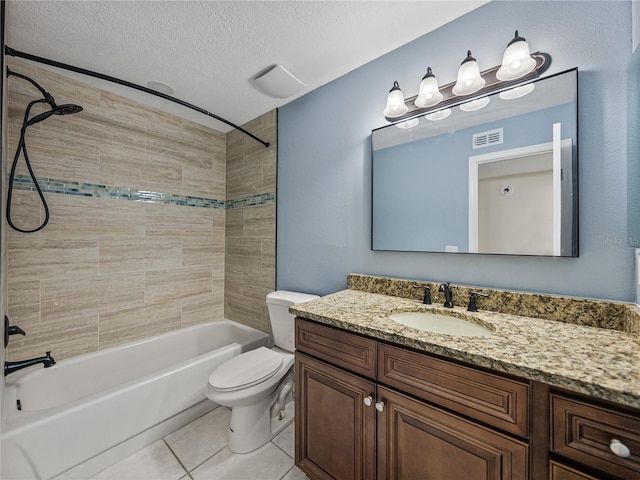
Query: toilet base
{"x": 254, "y": 425}
{"x": 245, "y": 436}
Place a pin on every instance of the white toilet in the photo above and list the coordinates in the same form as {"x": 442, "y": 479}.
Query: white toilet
{"x": 258, "y": 385}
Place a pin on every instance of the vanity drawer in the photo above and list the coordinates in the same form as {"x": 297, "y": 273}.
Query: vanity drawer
{"x": 492, "y": 399}
{"x": 349, "y": 351}
{"x": 557, "y": 471}
{"x": 582, "y": 431}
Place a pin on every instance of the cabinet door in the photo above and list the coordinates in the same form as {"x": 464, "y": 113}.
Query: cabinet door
{"x": 417, "y": 440}
{"x": 335, "y": 429}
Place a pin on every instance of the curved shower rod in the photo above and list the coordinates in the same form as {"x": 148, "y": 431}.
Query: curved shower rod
{"x": 84, "y": 71}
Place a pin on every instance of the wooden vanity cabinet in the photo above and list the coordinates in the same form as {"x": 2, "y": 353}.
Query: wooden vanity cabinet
{"x": 376, "y": 424}
{"x": 583, "y": 431}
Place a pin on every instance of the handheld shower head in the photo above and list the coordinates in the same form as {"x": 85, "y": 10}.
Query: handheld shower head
{"x": 67, "y": 109}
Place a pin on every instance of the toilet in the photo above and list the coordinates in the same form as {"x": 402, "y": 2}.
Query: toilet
{"x": 258, "y": 385}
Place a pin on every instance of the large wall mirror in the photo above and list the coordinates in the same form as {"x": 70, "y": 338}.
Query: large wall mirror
{"x": 496, "y": 175}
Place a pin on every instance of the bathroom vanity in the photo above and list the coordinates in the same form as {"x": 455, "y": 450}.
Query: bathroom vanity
{"x": 537, "y": 399}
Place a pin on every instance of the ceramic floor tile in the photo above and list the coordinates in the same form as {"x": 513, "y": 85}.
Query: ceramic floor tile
{"x": 295, "y": 474}
{"x": 202, "y": 438}
{"x": 156, "y": 462}
{"x": 285, "y": 440}
{"x": 266, "y": 463}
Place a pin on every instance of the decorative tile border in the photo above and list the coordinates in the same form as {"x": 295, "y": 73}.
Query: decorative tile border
{"x": 81, "y": 189}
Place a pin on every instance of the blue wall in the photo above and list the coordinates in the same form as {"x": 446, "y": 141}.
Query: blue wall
{"x": 324, "y": 156}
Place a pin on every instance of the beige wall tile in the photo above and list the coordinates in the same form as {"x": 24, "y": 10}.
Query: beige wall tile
{"x": 84, "y": 296}
{"x": 63, "y": 339}
{"x": 203, "y": 308}
{"x": 80, "y": 216}
{"x": 53, "y": 257}
{"x": 136, "y": 254}
{"x": 173, "y": 220}
{"x": 202, "y": 251}
{"x": 162, "y": 285}
{"x": 135, "y": 323}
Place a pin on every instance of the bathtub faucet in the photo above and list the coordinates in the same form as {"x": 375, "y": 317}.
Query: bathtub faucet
{"x": 10, "y": 367}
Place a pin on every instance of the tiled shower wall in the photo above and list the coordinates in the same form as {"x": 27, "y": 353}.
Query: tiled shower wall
{"x": 136, "y": 241}
{"x": 251, "y": 222}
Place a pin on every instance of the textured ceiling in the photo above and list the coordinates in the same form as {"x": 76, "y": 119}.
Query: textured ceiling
{"x": 209, "y": 50}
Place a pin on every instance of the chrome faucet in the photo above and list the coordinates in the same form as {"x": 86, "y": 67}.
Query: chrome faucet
{"x": 446, "y": 289}
{"x": 10, "y": 367}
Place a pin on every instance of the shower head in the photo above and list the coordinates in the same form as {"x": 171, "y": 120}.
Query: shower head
{"x": 67, "y": 109}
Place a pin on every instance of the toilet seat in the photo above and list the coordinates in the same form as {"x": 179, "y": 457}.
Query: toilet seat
{"x": 246, "y": 370}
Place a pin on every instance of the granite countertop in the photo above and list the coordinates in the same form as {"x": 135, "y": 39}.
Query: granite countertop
{"x": 594, "y": 361}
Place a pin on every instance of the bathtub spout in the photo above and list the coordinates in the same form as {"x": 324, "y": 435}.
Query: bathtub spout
{"x": 10, "y": 367}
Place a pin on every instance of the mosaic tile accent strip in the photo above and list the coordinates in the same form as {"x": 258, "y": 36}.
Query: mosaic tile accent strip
{"x": 82, "y": 189}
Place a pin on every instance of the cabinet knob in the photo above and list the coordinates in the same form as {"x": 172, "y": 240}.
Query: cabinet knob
{"x": 368, "y": 401}
{"x": 619, "y": 448}
{"x": 379, "y": 406}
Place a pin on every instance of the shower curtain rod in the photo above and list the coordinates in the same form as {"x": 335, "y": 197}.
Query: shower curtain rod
{"x": 83, "y": 71}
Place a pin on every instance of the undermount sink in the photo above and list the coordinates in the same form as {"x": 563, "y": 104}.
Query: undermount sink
{"x": 441, "y": 323}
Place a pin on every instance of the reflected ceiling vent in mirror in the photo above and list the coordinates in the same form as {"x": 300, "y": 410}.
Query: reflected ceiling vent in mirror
{"x": 277, "y": 82}
{"x": 488, "y": 138}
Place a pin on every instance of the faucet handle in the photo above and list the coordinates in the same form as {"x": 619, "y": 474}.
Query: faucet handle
{"x": 427, "y": 293}
{"x": 10, "y": 330}
{"x": 472, "y": 300}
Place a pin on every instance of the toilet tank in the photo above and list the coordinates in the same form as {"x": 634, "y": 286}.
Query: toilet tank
{"x": 282, "y": 322}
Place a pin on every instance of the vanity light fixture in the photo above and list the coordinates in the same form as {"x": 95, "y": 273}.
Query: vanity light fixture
{"x": 439, "y": 115}
{"x": 516, "y": 61}
{"x": 475, "y": 104}
{"x": 429, "y": 93}
{"x": 395, "y": 103}
{"x": 517, "y": 92}
{"x": 469, "y": 79}
{"x": 518, "y": 66}
{"x": 407, "y": 124}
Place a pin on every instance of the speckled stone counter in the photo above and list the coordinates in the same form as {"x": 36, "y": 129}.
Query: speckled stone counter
{"x": 601, "y": 362}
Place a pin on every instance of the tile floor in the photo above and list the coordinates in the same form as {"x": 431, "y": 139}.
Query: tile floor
{"x": 198, "y": 451}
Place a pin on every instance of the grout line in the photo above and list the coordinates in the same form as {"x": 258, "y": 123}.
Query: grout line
{"x": 176, "y": 457}
{"x": 282, "y": 449}
{"x": 207, "y": 459}
{"x": 288, "y": 471}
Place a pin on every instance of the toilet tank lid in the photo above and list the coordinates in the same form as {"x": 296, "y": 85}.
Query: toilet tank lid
{"x": 285, "y": 297}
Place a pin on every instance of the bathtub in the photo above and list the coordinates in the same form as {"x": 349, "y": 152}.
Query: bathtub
{"x": 90, "y": 411}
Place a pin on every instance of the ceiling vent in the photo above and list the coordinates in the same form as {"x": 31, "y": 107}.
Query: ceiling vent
{"x": 488, "y": 138}
{"x": 278, "y": 82}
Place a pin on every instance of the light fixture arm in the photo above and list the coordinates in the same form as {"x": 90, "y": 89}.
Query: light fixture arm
{"x": 492, "y": 85}
{"x": 101, "y": 76}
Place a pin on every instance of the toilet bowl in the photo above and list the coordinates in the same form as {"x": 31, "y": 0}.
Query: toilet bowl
{"x": 258, "y": 385}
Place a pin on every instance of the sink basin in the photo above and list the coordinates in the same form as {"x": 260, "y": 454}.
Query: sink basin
{"x": 441, "y": 323}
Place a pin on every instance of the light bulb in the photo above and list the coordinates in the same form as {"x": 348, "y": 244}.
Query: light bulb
{"x": 469, "y": 80}
{"x": 395, "y": 103}
{"x": 516, "y": 61}
{"x": 429, "y": 93}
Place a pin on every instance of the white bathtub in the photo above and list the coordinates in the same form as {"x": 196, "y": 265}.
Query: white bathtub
{"x": 87, "y": 412}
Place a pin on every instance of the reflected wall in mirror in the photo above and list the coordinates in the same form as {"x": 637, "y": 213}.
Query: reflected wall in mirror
{"x": 498, "y": 179}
